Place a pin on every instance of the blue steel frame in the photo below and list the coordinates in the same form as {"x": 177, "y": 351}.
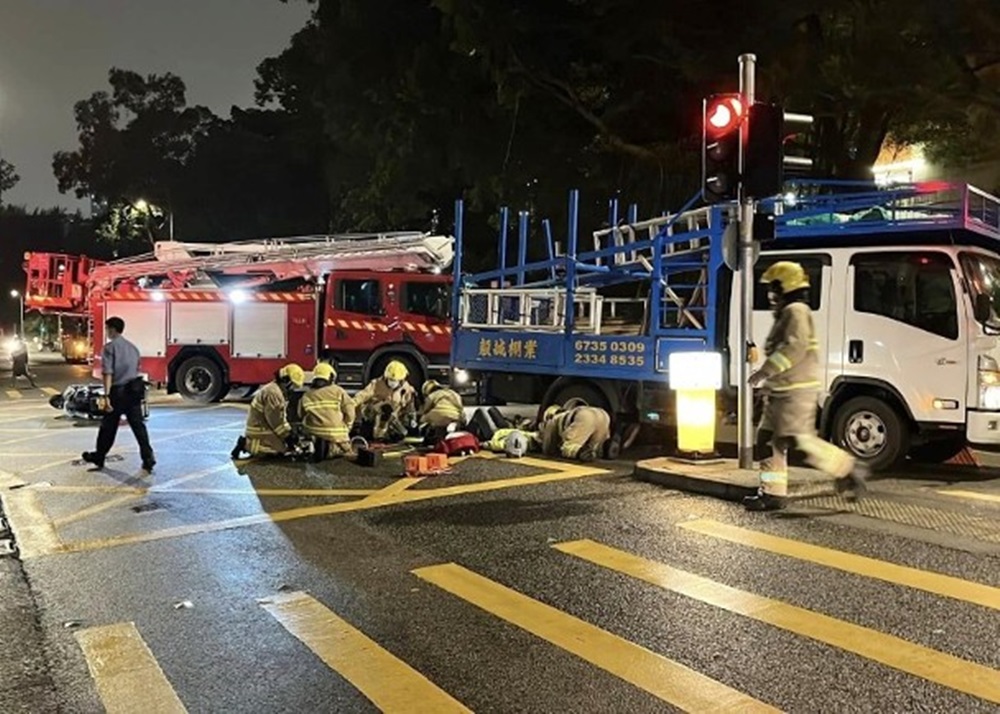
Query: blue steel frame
{"x": 632, "y": 357}
{"x": 821, "y": 209}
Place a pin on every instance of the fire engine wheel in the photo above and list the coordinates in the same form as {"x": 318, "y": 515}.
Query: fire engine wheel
{"x": 200, "y": 380}
{"x": 872, "y": 431}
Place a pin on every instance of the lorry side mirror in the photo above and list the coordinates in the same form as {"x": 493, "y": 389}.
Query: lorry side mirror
{"x": 982, "y": 308}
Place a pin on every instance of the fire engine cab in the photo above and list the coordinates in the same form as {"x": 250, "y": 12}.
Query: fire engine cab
{"x": 208, "y": 318}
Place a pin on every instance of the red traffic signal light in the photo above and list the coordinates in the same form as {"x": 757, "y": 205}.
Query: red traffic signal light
{"x": 723, "y": 114}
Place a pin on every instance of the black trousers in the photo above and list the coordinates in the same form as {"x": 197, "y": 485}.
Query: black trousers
{"x": 125, "y": 400}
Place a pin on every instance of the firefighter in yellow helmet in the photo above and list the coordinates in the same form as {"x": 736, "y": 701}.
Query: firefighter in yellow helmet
{"x": 442, "y": 407}
{"x": 388, "y": 405}
{"x": 327, "y": 413}
{"x": 267, "y": 430}
{"x": 576, "y": 433}
{"x": 790, "y": 377}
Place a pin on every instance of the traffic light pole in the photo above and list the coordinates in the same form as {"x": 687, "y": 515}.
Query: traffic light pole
{"x": 746, "y": 261}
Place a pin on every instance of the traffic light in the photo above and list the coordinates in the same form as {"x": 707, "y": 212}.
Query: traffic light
{"x": 762, "y": 174}
{"x": 722, "y": 117}
{"x": 765, "y": 162}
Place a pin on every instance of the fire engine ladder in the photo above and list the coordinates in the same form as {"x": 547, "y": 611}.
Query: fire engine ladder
{"x": 285, "y": 258}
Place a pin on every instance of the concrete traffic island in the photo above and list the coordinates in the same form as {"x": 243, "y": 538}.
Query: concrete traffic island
{"x": 720, "y": 478}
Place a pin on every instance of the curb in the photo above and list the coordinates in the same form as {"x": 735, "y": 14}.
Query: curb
{"x": 693, "y": 484}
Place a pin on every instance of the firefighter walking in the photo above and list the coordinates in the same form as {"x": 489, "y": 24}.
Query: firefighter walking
{"x": 327, "y": 413}
{"x": 267, "y": 431}
{"x": 577, "y": 433}
{"x": 790, "y": 376}
{"x": 388, "y": 405}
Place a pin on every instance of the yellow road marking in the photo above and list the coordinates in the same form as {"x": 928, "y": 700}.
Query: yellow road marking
{"x": 936, "y": 583}
{"x": 135, "y": 495}
{"x": 127, "y": 676}
{"x": 12, "y": 394}
{"x": 51, "y": 391}
{"x": 663, "y": 678}
{"x": 395, "y": 488}
{"x": 569, "y": 472}
{"x": 34, "y": 437}
{"x": 975, "y": 495}
{"x": 291, "y": 492}
{"x": 940, "y": 667}
{"x": 390, "y": 684}
{"x": 35, "y": 532}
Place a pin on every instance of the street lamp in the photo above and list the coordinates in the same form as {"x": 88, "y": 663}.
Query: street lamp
{"x": 20, "y": 298}
{"x": 144, "y": 206}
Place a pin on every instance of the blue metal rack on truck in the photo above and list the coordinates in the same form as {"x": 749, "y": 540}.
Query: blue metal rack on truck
{"x": 599, "y": 321}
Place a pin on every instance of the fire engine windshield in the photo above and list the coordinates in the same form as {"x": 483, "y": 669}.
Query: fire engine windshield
{"x": 983, "y": 274}
{"x": 428, "y": 299}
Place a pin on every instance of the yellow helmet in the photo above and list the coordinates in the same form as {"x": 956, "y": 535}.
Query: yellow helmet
{"x": 429, "y": 386}
{"x": 293, "y": 373}
{"x": 790, "y": 276}
{"x": 551, "y": 412}
{"x": 396, "y": 370}
{"x": 325, "y": 371}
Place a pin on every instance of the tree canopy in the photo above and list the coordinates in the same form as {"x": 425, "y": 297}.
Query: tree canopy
{"x": 8, "y": 176}
{"x": 381, "y": 112}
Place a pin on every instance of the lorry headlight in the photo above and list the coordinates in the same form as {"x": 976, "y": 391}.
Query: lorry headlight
{"x": 989, "y": 383}
{"x": 460, "y": 377}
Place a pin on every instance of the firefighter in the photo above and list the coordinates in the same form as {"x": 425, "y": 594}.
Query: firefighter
{"x": 790, "y": 376}
{"x": 578, "y": 433}
{"x": 442, "y": 407}
{"x": 267, "y": 429}
{"x": 387, "y": 405}
{"x": 327, "y": 414}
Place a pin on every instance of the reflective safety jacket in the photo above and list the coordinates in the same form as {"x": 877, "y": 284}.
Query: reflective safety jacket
{"x": 402, "y": 399}
{"x": 567, "y": 434}
{"x": 792, "y": 351}
{"x": 327, "y": 413}
{"x": 441, "y": 408}
{"x": 498, "y": 442}
{"x": 267, "y": 423}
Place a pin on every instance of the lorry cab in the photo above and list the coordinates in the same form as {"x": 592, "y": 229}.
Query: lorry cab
{"x": 907, "y": 364}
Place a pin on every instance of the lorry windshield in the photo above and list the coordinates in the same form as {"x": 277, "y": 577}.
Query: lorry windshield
{"x": 983, "y": 273}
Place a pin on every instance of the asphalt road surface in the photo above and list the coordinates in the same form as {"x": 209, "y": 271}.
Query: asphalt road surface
{"x": 503, "y": 586}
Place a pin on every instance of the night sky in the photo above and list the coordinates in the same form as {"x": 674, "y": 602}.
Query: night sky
{"x": 56, "y": 52}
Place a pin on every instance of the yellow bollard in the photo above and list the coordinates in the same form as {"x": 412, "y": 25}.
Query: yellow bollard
{"x": 696, "y": 377}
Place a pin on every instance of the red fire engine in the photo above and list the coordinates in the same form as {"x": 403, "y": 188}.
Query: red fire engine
{"x": 211, "y": 317}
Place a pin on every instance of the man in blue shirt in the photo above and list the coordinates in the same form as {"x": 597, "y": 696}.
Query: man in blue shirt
{"x": 125, "y": 390}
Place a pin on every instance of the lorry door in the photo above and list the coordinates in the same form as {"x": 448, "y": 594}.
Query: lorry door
{"x": 355, "y": 323}
{"x": 902, "y": 327}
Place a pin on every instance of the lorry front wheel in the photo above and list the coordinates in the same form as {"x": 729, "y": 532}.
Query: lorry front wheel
{"x": 200, "y": 380}
{"x": 872, "y": 431}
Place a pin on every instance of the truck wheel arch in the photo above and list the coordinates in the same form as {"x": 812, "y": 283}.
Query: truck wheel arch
{"x": 845, "y": 388}
{"x": 564, "y": 388}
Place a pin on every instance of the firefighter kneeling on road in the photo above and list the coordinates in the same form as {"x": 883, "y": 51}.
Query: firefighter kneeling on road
{"x": 267, "y": 430}
{"x": 327, "y": 414}
{"x": 790, "y": 376}
{"x": 387, "y": 406}
{"x": 578, "y": 433}
{"x": 442, "y": 408}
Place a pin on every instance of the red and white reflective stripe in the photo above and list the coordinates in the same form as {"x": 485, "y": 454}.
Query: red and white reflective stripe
{"x": 378, "y": 327}
{"x": 202, "y": 296}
